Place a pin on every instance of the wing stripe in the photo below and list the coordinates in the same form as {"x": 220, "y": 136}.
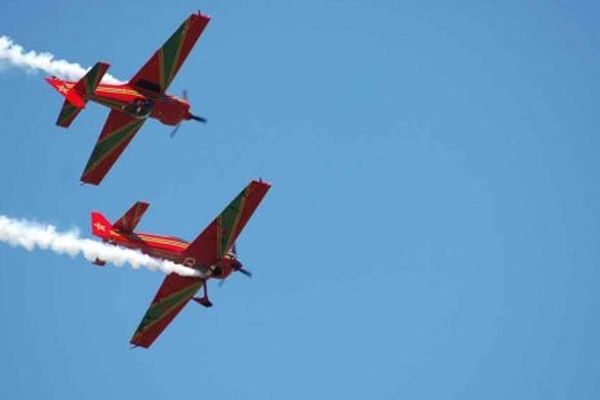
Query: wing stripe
{"x": 132, "y": 217}
{"x": 157, "y": 310}
{"x": 158, "y": 72}
{"x": 92, "y": 81}
{"x": 139, "y": 212}
{"x": 218, "y": 237}
{"x": 231, "y": 219}
{"x": 169, "y": 54}
{"x": 110, "y": 143}
{"x": 87, "y": 85}
{"x": 67, "y": 114}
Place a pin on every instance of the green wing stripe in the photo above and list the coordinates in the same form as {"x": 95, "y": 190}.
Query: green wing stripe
{"x": 228, "y": 221}
{"x": 91, "y": 80}
{"x": 67, "y": 113}
{"x": 169, "y": 54}
{"x": 107, "y": 145}
{"x": 164, "y": 307}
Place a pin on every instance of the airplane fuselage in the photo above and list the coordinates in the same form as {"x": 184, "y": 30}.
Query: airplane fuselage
{"x": 169, "y": 248}
{"x": 138, "y": 103}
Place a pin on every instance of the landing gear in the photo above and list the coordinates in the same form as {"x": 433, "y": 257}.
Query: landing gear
{"x": 204, "y": 299}
{"x": 99, "y": 262}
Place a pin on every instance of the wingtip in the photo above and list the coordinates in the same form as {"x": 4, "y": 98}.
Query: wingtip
{"x": 103, "y": 64}
{"x": 202, "y": 15}
{"x": 85, "y": 180}
{"x": 261, "y": 182}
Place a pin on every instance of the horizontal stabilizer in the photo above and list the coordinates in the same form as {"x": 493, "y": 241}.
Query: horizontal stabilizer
{"x": 77, "y": 94}
{"x": 68, "y": 112}
{"x": 132, "y": 217}
{"x": 87, "y": 85}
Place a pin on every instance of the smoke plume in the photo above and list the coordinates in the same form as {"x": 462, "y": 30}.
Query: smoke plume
{"x": 14, "y": 55}
{"x": 31, "y": 236}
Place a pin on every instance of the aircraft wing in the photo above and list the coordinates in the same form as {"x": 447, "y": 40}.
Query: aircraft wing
{"x": 118, "y": 131}
{"x": 159, "y": 71}
{"x": 206, "y": 249}
{"x": 173, "y": 295}
{"x": 218, "y": 237}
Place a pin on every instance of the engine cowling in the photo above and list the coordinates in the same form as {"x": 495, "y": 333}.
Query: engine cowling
{"x": 171, "y": 111}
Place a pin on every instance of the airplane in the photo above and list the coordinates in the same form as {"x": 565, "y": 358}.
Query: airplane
{"x": 131, "y": 103}
{"x": 212, "y": 254}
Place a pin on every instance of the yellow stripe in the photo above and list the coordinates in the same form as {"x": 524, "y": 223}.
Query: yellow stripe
{"x": 153, "y": 239}
{"x": 116, "y": 90}
{"x": 163, "y": 241}
{"x": 178, "y": 244}
{"x": 160, "y": 238}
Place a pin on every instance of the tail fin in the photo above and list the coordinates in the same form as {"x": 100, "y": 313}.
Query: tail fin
{"x": 101, "y": 228}
{"x": 100, "y": 225}
{"x": 76, "y": 96}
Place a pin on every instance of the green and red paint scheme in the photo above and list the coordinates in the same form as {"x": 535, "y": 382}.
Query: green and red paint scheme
{"x": 131, "y": 103}
{"x": 212, "y": 254}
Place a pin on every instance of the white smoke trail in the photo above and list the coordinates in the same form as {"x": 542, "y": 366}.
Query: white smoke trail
{"x": 31, "y": 235}
{"x": 14, "y": 55}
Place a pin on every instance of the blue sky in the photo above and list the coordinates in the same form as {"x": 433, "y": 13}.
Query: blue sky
{"x": 431, "y": 231}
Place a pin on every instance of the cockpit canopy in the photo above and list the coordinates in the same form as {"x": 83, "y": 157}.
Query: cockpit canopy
{"x": 140, "y": 108}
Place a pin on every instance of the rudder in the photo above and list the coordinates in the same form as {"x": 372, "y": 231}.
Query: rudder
{"x": 100, "y": 225}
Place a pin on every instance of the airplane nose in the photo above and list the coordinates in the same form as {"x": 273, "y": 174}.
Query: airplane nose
{"x": 239, "y": 267}
{"x": 236, "y": 265}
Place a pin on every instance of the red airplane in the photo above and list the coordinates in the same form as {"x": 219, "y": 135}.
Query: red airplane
{"x": 131, "y": 103}
{"x": 212, "y": 254}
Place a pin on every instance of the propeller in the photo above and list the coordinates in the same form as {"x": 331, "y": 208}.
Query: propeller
{"x": 184, "y": 94}
{"x": 172, "y": 135}
{"x": 245, "y": 272}
{"x": 192, "y": 116}
{"x": 197, "y": 118}
{"x": 237, "y": 267}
